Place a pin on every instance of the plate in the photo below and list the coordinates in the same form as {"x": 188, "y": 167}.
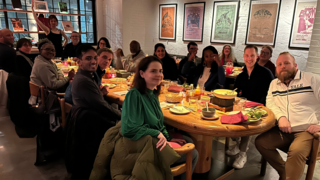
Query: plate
{"x": 179, "y": 110}
{"x": 110, "y": 85}
{"x": 118, "y": 79}
{"x": 210, "y": 119}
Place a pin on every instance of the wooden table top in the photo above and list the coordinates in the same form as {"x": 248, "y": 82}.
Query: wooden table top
{"x": 193, "y": 123}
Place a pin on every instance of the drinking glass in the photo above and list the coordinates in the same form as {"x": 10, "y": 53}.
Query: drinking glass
{"x": 239, "y": 103}
{"x": 229, "y": 68}
{"x": 193, "y": 102}
{"x": 174, "y": 83}
{"x": 189, "y": 93}
{"x": 201, "y": 105}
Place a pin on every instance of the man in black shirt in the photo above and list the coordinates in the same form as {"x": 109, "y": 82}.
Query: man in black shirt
{"x": 192, "y": 55}
{"x": 253, "y": 84}
{"x": 7, "y": 53}
{"x": 70, "y": 49}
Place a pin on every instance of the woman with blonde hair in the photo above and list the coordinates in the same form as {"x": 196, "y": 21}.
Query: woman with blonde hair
{"x": 227, "y": 55}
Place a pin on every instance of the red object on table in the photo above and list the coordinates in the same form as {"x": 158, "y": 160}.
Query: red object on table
{"x": 233, "y": 119}
{"x": 174, "y": 145}
{"x": 175, "y": 88}
{"x": 253, "y": 104}
{"x": 229, "y": 70}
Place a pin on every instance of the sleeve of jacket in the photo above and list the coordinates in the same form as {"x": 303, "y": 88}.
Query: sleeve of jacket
{"x": 268, "y": 79}
{"x": 65, "y": 52}
{"x": 189, "y": 67}
{"x": 221, "y": 76}
{"x": 174, "y": 69}
{"x": 315, "y": 85}
{"x": 22, "y": 66}
{"x": 96, "y": 100}
{"x": 49, "y": 78}
{"x": 270, "y": 103}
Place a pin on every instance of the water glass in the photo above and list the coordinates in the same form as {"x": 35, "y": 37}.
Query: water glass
{"x": 193, "y": 101}
{"x": 239, "y": 103}
{"x": 201, "y": 105}
{"x": 174, "y": 83}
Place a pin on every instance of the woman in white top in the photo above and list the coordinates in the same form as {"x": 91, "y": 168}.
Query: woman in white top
{"x": 210, "y": 73}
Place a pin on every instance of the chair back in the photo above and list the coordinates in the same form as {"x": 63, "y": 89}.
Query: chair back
{"x": 34, "y": 91}
{"x": 186, "y": 167}
{"x": 65, "y": 108}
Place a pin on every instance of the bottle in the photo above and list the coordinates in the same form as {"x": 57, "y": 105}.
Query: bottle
{"x": 197, "y": 92}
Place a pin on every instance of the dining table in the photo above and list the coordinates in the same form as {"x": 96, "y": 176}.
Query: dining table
{"x": 203, "y": 131}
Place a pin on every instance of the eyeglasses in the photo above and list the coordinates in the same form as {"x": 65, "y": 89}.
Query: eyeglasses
{"x": 27, "y": 45}
{"x": 266, "y": 53}
{"x": 74, "y": 36}
{"x": 48, "y": 49}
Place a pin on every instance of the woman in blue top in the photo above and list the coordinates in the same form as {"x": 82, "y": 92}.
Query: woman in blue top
{"x": 210, "y": 73}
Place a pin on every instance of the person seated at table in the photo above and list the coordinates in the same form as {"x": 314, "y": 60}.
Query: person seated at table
{"x": 45, "y": 72}
{"x": 24, "y": 61}
{"x": 252, "y": 84}
{"x": 105, "y": 56}
{"x": 297, "y": 115}
{"x": 192, "y": 55}
{"x": 142, "y": 114}
{"x": 264, "y": 59}
{"x": 103, "y": 42}
{"x": 131, "y": 62}
{"x": 117, "y": 63}
{"x": 170, "y": 69}
{"x": 7, "y": 53}
{"x": 209, "y": 74}
{"x": 70, "y": 49}
{"x": 227, "y": 55}
{"x": 86, "y": 91}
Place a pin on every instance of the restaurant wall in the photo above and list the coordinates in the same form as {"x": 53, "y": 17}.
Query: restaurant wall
{"x": 109, "y": 21}
{"x": 141, "y": 23}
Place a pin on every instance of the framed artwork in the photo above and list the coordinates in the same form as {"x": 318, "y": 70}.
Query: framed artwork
{"x": 193, "y": 21}
{"x": 224, "y": 22}
{"x": 17, "y": 24}
{"x": 262, "y": 22}
{"x": 302, "y": 23}
{"x": 41, "y": 6}
{"x": 167, "y": 21}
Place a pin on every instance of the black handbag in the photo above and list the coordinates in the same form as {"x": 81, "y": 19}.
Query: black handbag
{"x": 52, "y": 105}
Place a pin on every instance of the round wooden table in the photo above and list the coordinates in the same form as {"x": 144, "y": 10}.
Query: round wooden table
{"x": 203, "y": 131}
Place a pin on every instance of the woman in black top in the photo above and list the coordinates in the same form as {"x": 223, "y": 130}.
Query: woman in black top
{"x": 103, "y": 42}
{"x": 53, "y": 33}
{"x": 24, "y": 61}
{"x": 169, "y": 65}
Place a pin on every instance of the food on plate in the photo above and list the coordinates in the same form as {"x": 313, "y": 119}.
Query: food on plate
{"x": 255, "y": 114}
{"x": 115, "y": 80}
{"x": 110, "y": 85}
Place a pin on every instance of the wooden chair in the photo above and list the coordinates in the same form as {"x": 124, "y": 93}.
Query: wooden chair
{"x": 65, "y": 108}
{"x": 34, "y": 91}
{"x": 311, "y": 162}
{"x": 186, "y": 167}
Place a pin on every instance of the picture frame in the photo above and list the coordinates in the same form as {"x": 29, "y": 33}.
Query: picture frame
{"x": 302, "y": 23}
{"x": 167, "y": 21}
{"x": 67, "y": 26}
{"x": 263, "y": 22}
{"x": 224, "y": 21}
{"x": 63, "y": 7}
{"x": 41, "y": 6}
{"x": 193, "y": 21}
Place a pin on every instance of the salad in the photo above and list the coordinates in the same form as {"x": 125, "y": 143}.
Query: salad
{"x": 255, "y": 114}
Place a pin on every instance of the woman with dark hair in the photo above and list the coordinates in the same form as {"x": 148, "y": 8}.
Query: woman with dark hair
{"x": 170, "y": 68}
{"x": 103, "y": 42}
{"x": 24, "y": 61}
{"x": 210, "y": 73}
{"x": 53, "y": 33}
{"x": 141, "y": 111}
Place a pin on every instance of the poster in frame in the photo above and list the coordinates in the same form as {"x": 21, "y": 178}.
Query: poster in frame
{"x": 224, "y": 22}
{"x": 302, "y": 23}
{"x": 193, "y": 21}
{"x": 263, "y": 22}
{"x": 167, "y": 21}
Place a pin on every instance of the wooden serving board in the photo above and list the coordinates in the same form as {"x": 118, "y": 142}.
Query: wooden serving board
{"x": 224, "y": 109}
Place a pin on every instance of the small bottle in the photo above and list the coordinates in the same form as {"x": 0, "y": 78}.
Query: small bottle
{"x": 197, "y": 92}
{"x": 191, "y": 87}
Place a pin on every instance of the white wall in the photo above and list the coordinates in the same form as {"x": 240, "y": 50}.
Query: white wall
{"x": 109, "y": 21}
{"x": 141, "y": 23}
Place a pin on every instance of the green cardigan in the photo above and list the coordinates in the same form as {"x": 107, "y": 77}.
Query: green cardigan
{"x": 142, "y": 115}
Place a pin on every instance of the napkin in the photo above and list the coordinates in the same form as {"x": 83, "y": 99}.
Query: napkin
{"x": 253, "y": 104}
{"x": 233, "y": 119}
{"x": 175, "y": 88}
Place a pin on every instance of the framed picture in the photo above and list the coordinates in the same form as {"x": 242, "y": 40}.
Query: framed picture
{"x": 167, "y": 21}
{"x": 224, "y": 22}
{"x": 193, "y": 21}
{"x": 67, "y": 26}
{"x": 17, "y": 24}
{"x": 263, "y": 22}
{"x": 302, "y": 23}
{"x": 63, "y": 8}
{"x": 41, "y": 6}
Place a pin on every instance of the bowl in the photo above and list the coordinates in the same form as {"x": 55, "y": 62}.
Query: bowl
{"x": 174, "y": 97}
{"x": 225, "y": 93}
{"x": 209, "y": 113}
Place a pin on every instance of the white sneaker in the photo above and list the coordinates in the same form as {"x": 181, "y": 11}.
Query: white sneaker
{"x": 240, "y": 161}
{"x": 233, "y": 151}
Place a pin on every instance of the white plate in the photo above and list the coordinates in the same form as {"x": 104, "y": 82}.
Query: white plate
{"x": 181, "y": 108}
{"x": 111, "y": 86}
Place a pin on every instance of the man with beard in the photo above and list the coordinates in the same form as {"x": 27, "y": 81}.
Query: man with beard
{"x": 70, "y": 49}
{"x": 7, "y": 53}
{"x": 294, "y": 98}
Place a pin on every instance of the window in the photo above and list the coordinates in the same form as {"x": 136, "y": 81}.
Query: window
{"x": 82, "y": 24}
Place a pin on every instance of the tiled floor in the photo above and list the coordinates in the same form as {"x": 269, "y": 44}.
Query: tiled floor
{"x": 17, "y": 157}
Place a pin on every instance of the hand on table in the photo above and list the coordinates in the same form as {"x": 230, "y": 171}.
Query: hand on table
{"x": 179, "y": 141}
{"x": 104, "y": 90}
{"x": 313, "y": 128}
{"x": 162, "y": 141}
{"x": 284, "y": 125}
{"x": 71, "y": 74}
{"x": 192, "y": 56}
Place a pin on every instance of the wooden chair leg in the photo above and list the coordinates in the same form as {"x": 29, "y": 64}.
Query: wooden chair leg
{"x": 263, "y": 166}
{"x": 313, "y": 159}
{"x": 227, "y": 143}
{"x": 189, "y": 166}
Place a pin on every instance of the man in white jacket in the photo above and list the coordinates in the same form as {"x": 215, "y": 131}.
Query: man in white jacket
{"x": 294, "y": 98}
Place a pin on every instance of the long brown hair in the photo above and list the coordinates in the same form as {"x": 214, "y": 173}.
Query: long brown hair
{"x": 139, "y": 82}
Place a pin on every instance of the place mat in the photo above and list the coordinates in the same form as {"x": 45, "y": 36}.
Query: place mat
{"x": 120, "y": 93}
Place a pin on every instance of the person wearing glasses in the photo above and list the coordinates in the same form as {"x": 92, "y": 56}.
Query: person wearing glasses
{"x": 264, "y": 59}
{"x": 70, "y": 49}
{"x": 103, "y": 42}
{"x": 45, "y": 72}
{"x": 192, "y": 55}
{"x": 24, "y": 61}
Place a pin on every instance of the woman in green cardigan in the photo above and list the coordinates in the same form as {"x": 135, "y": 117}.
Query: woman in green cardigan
{"x": 141, "y": 111}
